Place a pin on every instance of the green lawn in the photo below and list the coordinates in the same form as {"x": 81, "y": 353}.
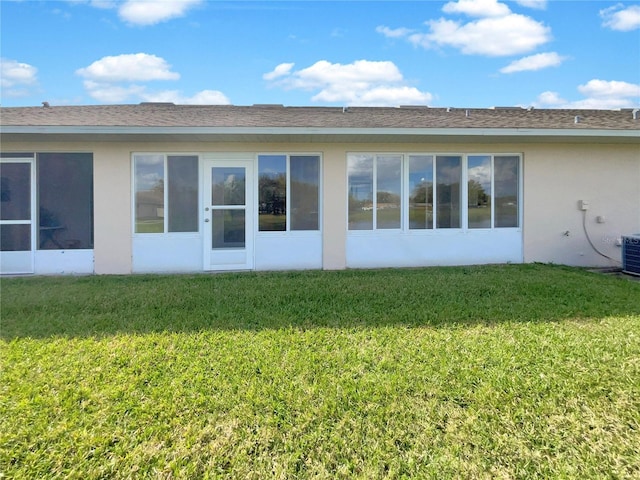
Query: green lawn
{"x": 515, "y": 371}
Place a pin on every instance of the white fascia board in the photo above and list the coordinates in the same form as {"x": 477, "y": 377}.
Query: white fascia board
{"x": 468, "y": 132}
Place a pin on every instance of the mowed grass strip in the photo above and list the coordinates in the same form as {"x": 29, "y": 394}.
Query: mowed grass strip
{"x": 528, "y": 371}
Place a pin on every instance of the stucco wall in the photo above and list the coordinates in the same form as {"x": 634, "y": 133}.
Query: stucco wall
{"x": 112, "y": 209}
{"x": 556, "y": 177}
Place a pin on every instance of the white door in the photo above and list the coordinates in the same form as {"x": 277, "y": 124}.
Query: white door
{"x": 16, "y": 216}
{"x": 228, "y": 215}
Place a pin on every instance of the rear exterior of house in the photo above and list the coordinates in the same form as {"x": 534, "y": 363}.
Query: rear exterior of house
{"x": 165, "y": 188}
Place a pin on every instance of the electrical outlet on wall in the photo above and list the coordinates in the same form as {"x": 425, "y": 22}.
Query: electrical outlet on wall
{"x": 583, "y": 205}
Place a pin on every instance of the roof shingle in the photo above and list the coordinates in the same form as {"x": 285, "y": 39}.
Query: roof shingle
{"x": 274, "y": 116}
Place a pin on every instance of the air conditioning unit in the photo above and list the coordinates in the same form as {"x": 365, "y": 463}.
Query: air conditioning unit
{"x": 631, "y": 254}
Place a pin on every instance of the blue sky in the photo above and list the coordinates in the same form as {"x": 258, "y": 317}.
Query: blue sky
{"x": 464, "y": 53}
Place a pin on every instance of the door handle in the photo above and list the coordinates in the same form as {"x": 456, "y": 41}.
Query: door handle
{"x": 206, "y": 220}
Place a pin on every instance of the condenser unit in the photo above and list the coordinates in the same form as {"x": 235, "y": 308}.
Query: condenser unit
{"x": 631, "y": 254}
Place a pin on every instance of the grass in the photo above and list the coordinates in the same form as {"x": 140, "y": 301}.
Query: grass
{"x": 528, "y": 371}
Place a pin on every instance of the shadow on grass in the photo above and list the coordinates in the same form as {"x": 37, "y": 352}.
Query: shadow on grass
{"x": 42, "y": 307}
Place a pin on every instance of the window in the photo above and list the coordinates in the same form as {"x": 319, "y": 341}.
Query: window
{"x": 420, "y": 192}
{"x": 479, "y": 191}
{"x": 375, "y": 191}
{"x": 65, "y": 201}
{"x": 360, "y": 173}
{"x": 288, "y": 193}
{"x": 448, "y": 180}
{"x": 180, "y": 196}
{"x": 430, "y": 188}
{"x": 506, "y": 181}
{"x": 492, "y": 191}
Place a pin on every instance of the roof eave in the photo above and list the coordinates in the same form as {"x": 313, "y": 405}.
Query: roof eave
{"x": 112, "y": 133}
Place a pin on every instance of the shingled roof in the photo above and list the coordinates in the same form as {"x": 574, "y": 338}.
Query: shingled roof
{"x": 170, "y": 115}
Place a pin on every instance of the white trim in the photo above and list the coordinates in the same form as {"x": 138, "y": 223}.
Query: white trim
{"x": 465, "y": 132}
{"x": 165, "y": 171}
{"x": 242, "y": 258}
{"x": 23, "y": 261}
{"x": 288, "y": 231}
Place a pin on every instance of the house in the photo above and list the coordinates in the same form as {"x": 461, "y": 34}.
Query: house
{"x": 118, "y": 189}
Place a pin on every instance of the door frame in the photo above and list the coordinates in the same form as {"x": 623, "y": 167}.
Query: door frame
{"x": 232, "y": 258}
{"x": 23, "y": 261}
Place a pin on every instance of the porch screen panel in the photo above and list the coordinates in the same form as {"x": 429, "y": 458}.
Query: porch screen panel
{"x": 479, "y": 191}
{"x": 272, "y": 193}
{"x": 149, "y": 193}
{"x": 65, "y": 201}
{"x": 15, "y": 206}
{"x": 304, "y": 172}
{"x": 506, "y": 181}
{"x": 360, "y": 175}
{"x": 15, "y": 191}
{"x": 182, "y": 199}
{"x": 448, "y": 178}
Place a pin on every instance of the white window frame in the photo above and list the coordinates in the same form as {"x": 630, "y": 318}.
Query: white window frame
{"x": 404, "y": 177}
{"x": 464, "y": 193}
{"x": 165, "y": 168}
{"x": 287, "y": 230}
{"x": 493, "y": 190}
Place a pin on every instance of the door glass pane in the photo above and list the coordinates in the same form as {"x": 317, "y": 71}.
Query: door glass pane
{"x": 65, "y": 201}
{"x": 15, "y": 191}
{"x": 388, "y": 188}
{"x": 228, "y": 228}
{"x": 420, "y": 192}
{"x": 479, "y": 191}
{"x": 228, "y": 186}
{"x": 360, "y": 174}
{"x": 15, "y": 238}
{"x": 448, "y": 176}
{"x": 272, "y": 193}
{"x": 506, "y": 184}
{"x": 149, "y": 186}
{"x": 305, "y": 179}
{"x": 183, "y": 193}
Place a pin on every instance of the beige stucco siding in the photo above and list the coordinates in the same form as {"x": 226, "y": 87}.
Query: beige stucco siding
{"x": 556, "y": 178}
{"x": 112, "y": 209}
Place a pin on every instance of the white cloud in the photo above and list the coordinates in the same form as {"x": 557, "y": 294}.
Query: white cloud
{"x": 550, "y": 99}
{"x": 112, "y": 93}
{"x": 538, "y": 4}
{"x": 280, "y": 71}
{"x": 119, "y": 79}
{"x": 129, "y": 67}
{"x": 600, "y": 94}
{"x": 478, "y": 8}
{"x": 150, "y": 12}
{"x": 497, "y": 32}
{"x": 610, "y": 89}
{"x": 378, "y": 96}
{"x": 14, "y": 73}
{"x": 144, "y": 12}
{"x": 534, "y": 62}
{"x": 16, "y": 78}
{"x": 205, "y": 97}
{"x": 393, "y": 32}
{"x": 495, "y": 36}
{"x": 115, "y": 93}
{"x": 619, "y": 18}
{"x": 362, "y": 82}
